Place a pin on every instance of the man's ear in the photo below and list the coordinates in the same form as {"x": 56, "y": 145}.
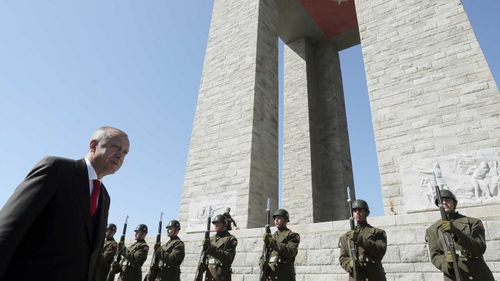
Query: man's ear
{"x": 93, "y": 145}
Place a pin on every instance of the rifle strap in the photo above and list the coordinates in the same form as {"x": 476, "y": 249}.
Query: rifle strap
{"x": 170, "y": 245}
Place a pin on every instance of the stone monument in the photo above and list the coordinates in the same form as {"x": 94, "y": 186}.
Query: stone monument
{"x": 435, "y": 109}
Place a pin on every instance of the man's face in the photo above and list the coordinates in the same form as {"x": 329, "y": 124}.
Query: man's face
{"x": 110, "y": 233}
{"x": 359, "y": 215}
{"x": 172, "y": 231}
{"x": 280, "y": 222}
{"x": 107, "y": 156}
{"x": 140, "y": 235}
{"x": 219, "y": 226}
{"x": 448, "y": 205}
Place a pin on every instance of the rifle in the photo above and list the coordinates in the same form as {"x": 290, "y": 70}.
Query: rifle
{"x": 448, "y": 239}
{"x": 153, "y": 270}
{"x": 203, "y": 263}
{"x": 353, "y": 248}
{"x": 118, "y": 256}
{"x": 266, "y": 251}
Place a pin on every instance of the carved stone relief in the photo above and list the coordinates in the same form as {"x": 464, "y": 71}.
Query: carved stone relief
{"x": 198, "y": 213}
{"x": 473, "y": 177}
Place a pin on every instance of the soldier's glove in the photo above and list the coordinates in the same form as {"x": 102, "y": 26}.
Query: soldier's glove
{"x": 353, "y": 235}
{"x": 202, "y": 267}
{"x": 267, "y": 237}
{"x": 205, "y": 243}
{"x": 351, "y": 264}
{"x": 263, "y": 263}
{"x": 116, "y": 267}
{"x": 449, "y": 257}
{"x": 448, "y": 226}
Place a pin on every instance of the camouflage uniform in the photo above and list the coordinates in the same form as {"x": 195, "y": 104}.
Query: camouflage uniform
{"x": 470, "y": 245}
{"x": 133, "y": 258}
{"x": 108, "y": 253}
{"x": 371, "y": 246}
{"x": 284, "y": 247}
{"x": 221, "y": 252}
{"x": 168, "y": 260}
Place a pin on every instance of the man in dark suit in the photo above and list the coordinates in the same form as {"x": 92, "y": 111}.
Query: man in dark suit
{"x": 52, "y": 227}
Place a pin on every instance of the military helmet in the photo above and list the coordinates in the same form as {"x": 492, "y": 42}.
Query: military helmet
{"x": 111, "y": 227}
{"x": 445, "y": 193}
{"x": 141, "y": 227}
{"x": 174, "y": 224}
{"x": 219, "y": 218}
{"x": 360, "y": 204}
{"x": 281, "y": 213}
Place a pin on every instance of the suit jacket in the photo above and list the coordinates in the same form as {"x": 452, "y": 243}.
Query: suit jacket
{"x": 46, "y": 231}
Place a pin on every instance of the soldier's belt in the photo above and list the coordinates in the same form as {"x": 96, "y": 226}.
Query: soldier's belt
{"x": 465, "y": 256}
{"x": 216, "y": 262}
{"x": 128, "y": 264}
{"x": 366, "y": 259}
{"x": 277, "y": 259}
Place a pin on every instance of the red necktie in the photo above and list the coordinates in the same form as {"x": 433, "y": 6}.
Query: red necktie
{"x": 94, "y": 196}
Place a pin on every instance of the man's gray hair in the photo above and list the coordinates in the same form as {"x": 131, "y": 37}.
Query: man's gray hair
{"x": 105, "y": 132}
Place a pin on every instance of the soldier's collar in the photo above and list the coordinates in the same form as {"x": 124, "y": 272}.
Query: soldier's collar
{"x": 453, "y": 215}
{"x": 222, "y": 233}
{"x": 362, "y": 224}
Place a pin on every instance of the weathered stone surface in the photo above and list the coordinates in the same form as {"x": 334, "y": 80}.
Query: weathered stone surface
{"x": 437, "y": 109}
{"x": 234, "y": 142}
{"x": 433, "y": 99}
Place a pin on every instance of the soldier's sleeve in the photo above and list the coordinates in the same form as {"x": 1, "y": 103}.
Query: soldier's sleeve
{"x": 175, "y": 255}
{"x": 476, "y": 242}
{"x": 138, "y": 255}
{"x": 375, "y": 245}
{"x": 109, "y": 253}
{"x": 289, "y": 247}
{"x": 28, "y": 200}
{"x": 436, "y": 251}
{"x": 226, "y": 253}
{"x": 344, "y": 256}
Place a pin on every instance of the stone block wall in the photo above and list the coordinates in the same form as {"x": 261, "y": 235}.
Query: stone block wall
{"x": 430, "y": 88}
{"x": 233, "y": 156}
{"x": 316, "y": 157}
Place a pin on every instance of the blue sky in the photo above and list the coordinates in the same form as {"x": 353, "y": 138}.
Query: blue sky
{"x": 68, "y": 67}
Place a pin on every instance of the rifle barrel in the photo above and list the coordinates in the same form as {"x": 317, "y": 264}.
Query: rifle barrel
{"x": 447, "y": 236}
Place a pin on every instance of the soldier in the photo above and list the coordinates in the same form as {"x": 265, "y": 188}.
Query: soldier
{"x": 470, "y": 244}
{"x": 108, "y": 252}
{"x": 229, "y": 219}
{"x": 168, "y": 258}
{"x": 284, "y": 245}
{"x": 134, "y": 256}
{"x": 221, "y": 249}
{"x": 371, "y": 244}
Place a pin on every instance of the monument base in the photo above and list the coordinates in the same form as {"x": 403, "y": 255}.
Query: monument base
{"x": 406, "y": 258}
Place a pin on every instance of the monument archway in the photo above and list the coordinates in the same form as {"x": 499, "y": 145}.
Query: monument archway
{"x": 432, "y": 96}
{"x": 435, "y": 109}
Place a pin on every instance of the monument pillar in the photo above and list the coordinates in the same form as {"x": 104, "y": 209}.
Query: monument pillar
{"x": 433, "y": 100}
{"x": 233, "y": 156}
{"x": 316, "y": 157}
